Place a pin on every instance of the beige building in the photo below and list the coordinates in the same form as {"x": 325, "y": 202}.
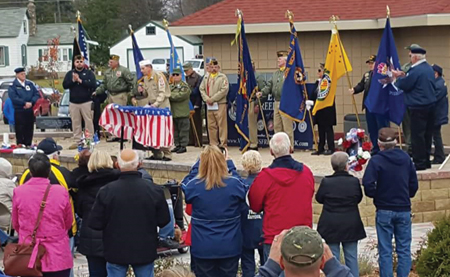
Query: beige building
{"x": 428, "y": 26}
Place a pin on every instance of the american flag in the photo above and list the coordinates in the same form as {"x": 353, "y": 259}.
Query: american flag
{"x": 152, "y": 127}
{"x": 82, "y": 42}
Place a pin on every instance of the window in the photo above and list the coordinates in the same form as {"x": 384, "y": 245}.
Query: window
{"x": 25, "y": 27}
{"x": 158, "y": 61}
{"x": 59, "y": 55}
{"x": 44, "y": 55}
{"x": 4, "y": 56}
{"x": 150, "y": 30}
{"x": 24, "y": 54}
{"x": 65, "y": 55}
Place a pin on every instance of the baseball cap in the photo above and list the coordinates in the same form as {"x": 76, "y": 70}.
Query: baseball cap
{"x": 387, "y": 134}
{"x": 49, "y": 146}
{"x": 412, "y": 46}
{"x": 302, "y": 246}
{"x": 187, "y": 66}
{"x": 372, "y": 59}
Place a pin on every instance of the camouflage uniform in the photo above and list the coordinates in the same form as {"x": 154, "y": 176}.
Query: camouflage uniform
{"x": 179, "y": 102}
{"x": 119, "y": 83}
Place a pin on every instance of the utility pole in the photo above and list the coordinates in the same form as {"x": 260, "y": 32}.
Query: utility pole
{"x": 58, "y": 6}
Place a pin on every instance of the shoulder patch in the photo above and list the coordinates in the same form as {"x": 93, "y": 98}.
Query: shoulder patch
{"x": 161, "y": 82}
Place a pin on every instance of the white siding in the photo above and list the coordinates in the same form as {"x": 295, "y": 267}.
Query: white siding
{"x": 63, "y": 66}
{"x": 152, "y": 46}
{"x": 15, "y": 51}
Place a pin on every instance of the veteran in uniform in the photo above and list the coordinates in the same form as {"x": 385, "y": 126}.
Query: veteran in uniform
{"x": 274, "y": 87}
{"x": 23, "y": 95}
{"x": 214, "y": 90}
{"x": 253, "y": 112}
{"x": 154, "y": 91}
{"x": 374, "y": 121}
{"x": 118, "y": 81}
{"x": 179, "y": 103}
{"x": 194, "y": 80}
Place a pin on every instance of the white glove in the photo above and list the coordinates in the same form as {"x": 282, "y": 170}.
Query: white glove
{"x": 309, "y": 104}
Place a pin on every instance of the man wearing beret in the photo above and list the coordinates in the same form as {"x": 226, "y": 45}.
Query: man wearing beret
{"x": 441, "y": 114}
{"x": 118, "y": 81}
{"x": 194, "y": 80}
{"x": 374, "y": 121}
{"x": 274, "y": 87}
{"x": 419, "y": 89}
{"x": 23, "y": 95}
{"x": 154, "y": 91}
{"x": 179, "y": 103}
{"x": 214, "y": 90}
{"x": 391, "y": 180}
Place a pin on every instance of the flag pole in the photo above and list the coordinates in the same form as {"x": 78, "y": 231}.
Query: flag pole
{"x": 333, "y": 20}
{"x": 264, "y": 120}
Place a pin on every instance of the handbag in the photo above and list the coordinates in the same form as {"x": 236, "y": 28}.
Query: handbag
{"x": 24, "y": 259}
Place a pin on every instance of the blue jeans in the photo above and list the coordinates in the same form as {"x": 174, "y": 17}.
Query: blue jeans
{"x": 350, "y": 254}
{"x": 266, "y": 250}
{"x": 168, "y": 231}
{"x": 118, "y": 270}
{"x": 397, "y": 224}
{"x": 248, "y": 264}
{"x": 72, "y": 249}
{"x": 374, "y": 123}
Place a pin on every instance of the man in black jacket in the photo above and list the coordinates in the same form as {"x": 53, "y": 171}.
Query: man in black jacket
{"x": 374, "y": 121}
{"x": 128, "y": 211}
{"x": 81, "y": 83}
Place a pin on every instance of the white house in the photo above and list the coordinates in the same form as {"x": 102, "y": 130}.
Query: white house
{"x": 153, "y": 42}
{"x": 14, "y": 34}
{"x": 25, "y": 43}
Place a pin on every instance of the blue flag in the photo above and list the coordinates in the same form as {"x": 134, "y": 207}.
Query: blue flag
{"x": 175, "y": 61}
{"x": 292, "y": 103}
{"x": 247, "y": 86}
{"x": 137, "y": 54}
{"x": 82, "y": 43}
{"x": 384, "y": 97}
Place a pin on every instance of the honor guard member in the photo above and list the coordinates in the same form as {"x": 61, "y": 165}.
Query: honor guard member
{"x": 274, "y": 87}
{"x": 118, "y": 81}
{"x": 154, "y": 91}
{"x": 406, "y": 117}
{"x": 23, "y": 95}
{"x": 441, "y": 114}
{"x": 179, "y": 103}
{"x": 214, "y": 90}
{"x": 194, "y": 80}
{"x": 374, "y": 121}
{"x": 253, "y": 112}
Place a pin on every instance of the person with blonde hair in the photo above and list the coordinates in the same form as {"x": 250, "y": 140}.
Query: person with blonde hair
{"x": 251, "y": 221}
{"x": 177, "y": 271}
{"x": 101, "y": 172}
{"x": 217, "y": 195}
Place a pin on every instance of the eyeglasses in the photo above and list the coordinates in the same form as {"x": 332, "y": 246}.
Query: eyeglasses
{"x": 175, "y": 74}
{"x": 319, "y": 70}
{"x": 78, "y": 61}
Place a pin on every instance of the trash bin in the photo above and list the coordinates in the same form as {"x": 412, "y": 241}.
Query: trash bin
{"x": 350, "y": 122}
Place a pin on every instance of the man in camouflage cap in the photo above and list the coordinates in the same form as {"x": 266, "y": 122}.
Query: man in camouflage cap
{"x": 300, "y": 252}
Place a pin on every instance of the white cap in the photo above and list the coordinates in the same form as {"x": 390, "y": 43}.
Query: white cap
{"x": 145, "y": 62}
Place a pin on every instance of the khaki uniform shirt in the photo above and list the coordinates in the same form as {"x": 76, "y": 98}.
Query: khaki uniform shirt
{"x": 215, "y": 88}
{"x": 156, "y": 91}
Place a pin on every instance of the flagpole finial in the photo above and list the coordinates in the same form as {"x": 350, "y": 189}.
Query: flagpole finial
{"x": 388, "y": 12}
{"x": 289, "y": 15}
{"x": 78, "y": 14}
{"x": 130, "y": 28}
{"x": 334, "y": 19}
{"x": 166, "y": 24}
{"x": 238, "y": 13}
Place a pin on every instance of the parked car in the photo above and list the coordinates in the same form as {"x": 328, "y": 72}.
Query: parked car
{"x": 4, "y": 85}
{"x": 198, "y": 65}
{"x": 48, "y": 92}
{"x": 159, "y": 64}
{"x": 64, "y": 102}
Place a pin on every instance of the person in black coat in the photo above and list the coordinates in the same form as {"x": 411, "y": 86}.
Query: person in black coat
{"x": 340, "y": 221}
{"x": 128, "y": 211}
{"x": 101, "y": 172}
{"x": 325, "y": 120}
{"x": 441, "y": 114}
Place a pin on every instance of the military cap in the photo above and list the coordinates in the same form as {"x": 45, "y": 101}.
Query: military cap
{"x": 208, "y": 59}
{"x": 438, "y": 69}
{"x": 302, "y": 246}
{"x": 282, "y": 53}
{"x": 412, "y": 46}
{"x": 114, "y": 57}
{"x": 321, "y": 65}
{"x": 387, "y": 134}
{"x": 418, "y": 50}
{"x": 213, "y": 61}
{"x": 19, "y": 70}
{"x": 176, "y": 71}
{"x": 371, "y": 59}
{"x": 145, "y": 62}
{"x": 187, "y": 66}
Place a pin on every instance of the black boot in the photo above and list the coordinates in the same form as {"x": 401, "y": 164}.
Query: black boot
{"x": 175, "y": 149}
{"x": 182, "y": 149}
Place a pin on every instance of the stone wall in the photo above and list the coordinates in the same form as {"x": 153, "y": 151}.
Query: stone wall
{"x": 431, "y": 202}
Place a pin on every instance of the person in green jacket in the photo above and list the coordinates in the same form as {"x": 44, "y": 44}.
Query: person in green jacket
{"x": 179, "y": 103}
{"x": 253, "y": 112}
{"x": 274, "y": 87}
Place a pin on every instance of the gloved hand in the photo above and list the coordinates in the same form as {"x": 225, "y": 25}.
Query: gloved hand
{"x": 309, "y": 104}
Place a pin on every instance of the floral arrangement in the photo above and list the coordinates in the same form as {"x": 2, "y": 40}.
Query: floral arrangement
{"x": 88, "y": 142}
{"x": 355, "y": 144}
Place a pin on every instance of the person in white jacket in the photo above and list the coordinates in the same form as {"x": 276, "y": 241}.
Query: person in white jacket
{"x": 6, "y": 192}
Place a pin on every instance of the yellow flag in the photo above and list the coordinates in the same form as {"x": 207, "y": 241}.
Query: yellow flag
{"x": 336, "y": 65}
